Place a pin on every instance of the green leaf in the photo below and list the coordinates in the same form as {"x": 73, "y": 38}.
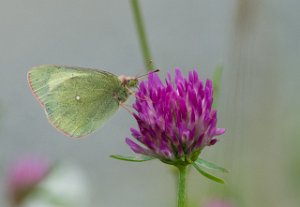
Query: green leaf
{"x": 209, "y": 165}
{"x": 206, "y": 174}
{"x": 141, "y": 158}
{"x": 217, "y": 76}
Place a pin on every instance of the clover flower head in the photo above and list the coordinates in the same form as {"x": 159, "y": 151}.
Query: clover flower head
{"x": 176, "y": 120}
{"x": 24, "y": 175}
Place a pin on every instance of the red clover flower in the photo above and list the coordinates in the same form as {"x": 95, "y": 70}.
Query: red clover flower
{"x": 176, "y": 120}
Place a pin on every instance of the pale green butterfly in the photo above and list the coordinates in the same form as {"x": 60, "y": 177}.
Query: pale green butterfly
{"x": 78, "y": 100}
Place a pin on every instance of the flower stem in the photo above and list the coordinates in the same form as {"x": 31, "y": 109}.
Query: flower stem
{"x": 142, "y": 34}
{"x": 182, "y": 186}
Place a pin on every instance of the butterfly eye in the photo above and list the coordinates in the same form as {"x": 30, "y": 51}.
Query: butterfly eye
{"x": 132, "y": 83}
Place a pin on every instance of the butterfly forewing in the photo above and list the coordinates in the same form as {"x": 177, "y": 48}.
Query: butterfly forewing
{"x": 77, "y": 100}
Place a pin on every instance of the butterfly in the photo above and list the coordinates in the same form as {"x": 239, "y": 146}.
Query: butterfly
{"x": 78, "y": 100}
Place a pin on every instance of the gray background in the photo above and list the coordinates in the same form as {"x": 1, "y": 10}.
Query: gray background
{"x": 257, "y": 42}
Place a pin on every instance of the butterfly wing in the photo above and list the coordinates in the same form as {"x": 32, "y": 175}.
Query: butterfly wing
{"x": 76, "y": 100}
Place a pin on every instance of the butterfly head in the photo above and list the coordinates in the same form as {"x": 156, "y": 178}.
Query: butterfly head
{"x": 129, "y": 82}
{"x": 132, "y": 82}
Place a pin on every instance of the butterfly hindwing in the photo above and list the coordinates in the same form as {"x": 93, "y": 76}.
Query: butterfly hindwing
{"x": 77, "y": 100}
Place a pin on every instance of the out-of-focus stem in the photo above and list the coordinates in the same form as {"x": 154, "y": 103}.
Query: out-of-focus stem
{"x": 142, "y": 35}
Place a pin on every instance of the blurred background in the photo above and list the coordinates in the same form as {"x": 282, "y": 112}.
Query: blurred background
{"x": 257, "y": 43}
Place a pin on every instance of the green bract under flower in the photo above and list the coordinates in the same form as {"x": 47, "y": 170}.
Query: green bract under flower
{"x": 176, "y": 120}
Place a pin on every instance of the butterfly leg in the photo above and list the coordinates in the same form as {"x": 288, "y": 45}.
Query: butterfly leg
{"x": 126, "y": 108}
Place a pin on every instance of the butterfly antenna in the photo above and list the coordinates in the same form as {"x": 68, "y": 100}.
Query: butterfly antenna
{"x": 154, "y": 71}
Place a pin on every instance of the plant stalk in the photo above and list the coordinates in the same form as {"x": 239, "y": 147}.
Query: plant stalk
{"x": 182, "y": 186}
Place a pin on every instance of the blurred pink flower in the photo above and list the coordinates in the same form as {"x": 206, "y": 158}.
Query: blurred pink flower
{"x": 24, "y": 175}
{"x": 218, "y": 203}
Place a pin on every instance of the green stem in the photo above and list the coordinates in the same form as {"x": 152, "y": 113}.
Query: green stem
{"x": 182, "y": 186}
{"x": 142, "y": 35}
